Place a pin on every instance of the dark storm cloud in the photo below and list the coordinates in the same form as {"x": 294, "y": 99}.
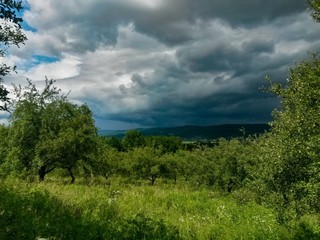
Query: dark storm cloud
{"x": 171, "y": 62}
{"x": 212, "y": 111}
{"x": 173, "y": 23}
{"x": 247, "y": 12}
{"x": 224, "y": 56}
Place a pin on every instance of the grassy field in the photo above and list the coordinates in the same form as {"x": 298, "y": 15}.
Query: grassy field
{"x": 55, "y": 210}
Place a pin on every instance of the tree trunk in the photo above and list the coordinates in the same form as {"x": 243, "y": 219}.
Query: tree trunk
{"x": 230, "y": 185}
{"x": 153, "y": 179}
{"x": 42, "y": 172}
{"x": 71, "y": 175}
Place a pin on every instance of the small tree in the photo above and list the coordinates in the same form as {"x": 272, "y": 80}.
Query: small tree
{"x": 169, "y": 166}
{"x": 147, "y": 164}
{"x": 133, "y": 139}
{"x": 167, "y": 144}
{"x": 115, "y": 143}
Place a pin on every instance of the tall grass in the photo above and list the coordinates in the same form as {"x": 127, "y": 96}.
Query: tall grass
{"x": 58, "y": 211}
{"x": 201, "y": 214}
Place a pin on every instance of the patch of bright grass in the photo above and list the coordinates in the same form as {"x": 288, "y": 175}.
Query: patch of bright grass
{"x": 57, "y": 211}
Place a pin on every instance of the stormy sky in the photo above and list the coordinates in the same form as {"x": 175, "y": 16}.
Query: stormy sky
{"x": 148, "y": 63}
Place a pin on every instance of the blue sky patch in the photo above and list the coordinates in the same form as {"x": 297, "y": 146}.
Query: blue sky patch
{"x": 27, "y": 27}
{"x": 38, "y": 59}
{"x": 24, "y": 24}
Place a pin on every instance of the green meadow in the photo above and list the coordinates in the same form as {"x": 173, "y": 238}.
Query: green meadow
{"x": 55, "y": 210}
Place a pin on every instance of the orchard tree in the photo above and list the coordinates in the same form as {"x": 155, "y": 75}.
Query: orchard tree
{"x": 189, "y": 164}
{"x": 133, "y": 139}
{"x": 10, "y": 34}
{"x": 67, "y": 137}
{"x": 167, "y": 144}
{"x": 147, "y": 163}
{"x": 115, "y": 143}
{"x": 108, "y": 160}
{"x": 25, "y": 120}
{"x": 169, "y": 166}
{"x": 48, "y": 132}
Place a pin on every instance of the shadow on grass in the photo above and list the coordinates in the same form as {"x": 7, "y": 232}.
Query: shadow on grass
{"x": 35, "y": 214}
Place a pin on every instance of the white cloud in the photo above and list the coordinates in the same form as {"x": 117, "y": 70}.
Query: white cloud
{"x": 67, "y": 67}
{"x": 156, "y": 61}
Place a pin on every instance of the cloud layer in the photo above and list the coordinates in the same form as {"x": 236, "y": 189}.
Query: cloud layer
{"x": 166, "y": 62}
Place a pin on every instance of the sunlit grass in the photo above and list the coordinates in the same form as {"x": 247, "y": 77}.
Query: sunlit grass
{"x": 200, "y": 214}
{"x": 112, "y": 210}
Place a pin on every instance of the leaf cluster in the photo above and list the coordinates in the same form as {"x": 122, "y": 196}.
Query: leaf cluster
{"x": 10, "y": 34}
{"x": 315, "y": 9}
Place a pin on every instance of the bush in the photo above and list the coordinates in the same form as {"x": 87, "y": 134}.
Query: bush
{"x": 308, "y": 227}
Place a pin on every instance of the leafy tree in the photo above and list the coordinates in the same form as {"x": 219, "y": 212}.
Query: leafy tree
{"x": 10, "y": 34}
{"x": 26, "y": 120}
{"x": 168, "y": 144}
{"x": 48, "y": 132}
{"x": 190, "y": 164}
{"x": 115, "y": 142}
{"x": 110, "y": 161}
{"x": 231, "y": 163}
{"x": 133, "y": 139}
{"x": 296, "y": 130}
{"x": 67, "y": 136}
{"x": 147, "y": 164}
{"x": 169, "y": 169}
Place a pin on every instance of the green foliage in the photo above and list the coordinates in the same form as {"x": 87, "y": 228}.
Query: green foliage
{"x": 67, "y": 136}
{"x": 26, "y": 121}
{"x": 257, "y": 185}
{"x": 10, "y": 34}
{"x": 188, "y": 163}
{"x": 167, "y": 144}
{"x": 296, "y": 133}
{"x": 4, "y": 134}
{"x": 107, "y": 161}
{"x": 133, "y": 139}
{"x": 170, "y": 166}
{"x": 308, "y": 227}
{"x": 48, "y": 132}
{"x": 115, "y": 143}
{"x": 315, "y": 9}
{"x": 229, "y": 167}
{"x": 225, "y": 166}
{"x": 146, "y": 163}
{"x": 11, "y": 29}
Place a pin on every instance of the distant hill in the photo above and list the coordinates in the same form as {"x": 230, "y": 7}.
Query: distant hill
{"x": 197, "y": 132}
